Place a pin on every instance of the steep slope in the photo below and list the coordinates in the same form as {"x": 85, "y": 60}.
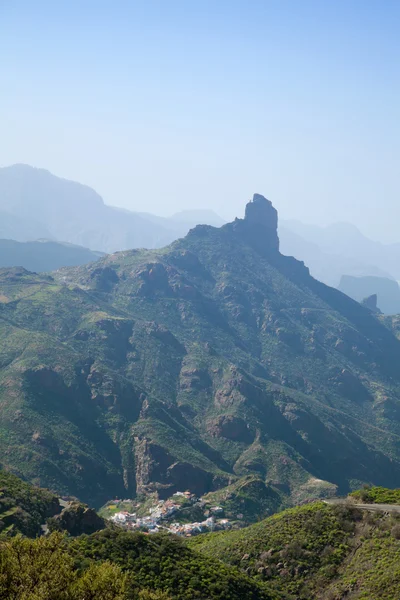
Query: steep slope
{"x": 297, "y": 551}
{"x": 194, "y": 365}
{"x": 44, "y": 255}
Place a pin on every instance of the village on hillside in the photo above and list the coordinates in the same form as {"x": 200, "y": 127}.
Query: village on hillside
{"x": 171, "y": 515}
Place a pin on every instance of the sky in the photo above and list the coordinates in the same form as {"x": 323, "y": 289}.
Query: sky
{"x": 169, "y": 105}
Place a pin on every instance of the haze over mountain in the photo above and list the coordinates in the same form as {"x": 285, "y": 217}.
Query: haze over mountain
{"x": 44, "y": 255}
{"x": 34, "y": 204}
{"x": 41, "y": 205}
{"x": 340, "y": 249}
{"x": 327, "y": 266}
{"x": 13, "y": 227}
{"x": 193, "y": 366}
{"x": 386, "y": 290}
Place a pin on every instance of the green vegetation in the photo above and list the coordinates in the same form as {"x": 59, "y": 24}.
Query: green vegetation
{"x": 165, "y": 563}
{"x": 23, "y": 508}
{"x": 114, "y": 506}
{"x": 377, "y": 495}
{"x": 297, "y": 551}
{"x": 77, "y": 518}
{"x": 312, "y": 552}
{"x": 247, "y": 500}
{"x": 43, "y": 569}
{"x": 316, "y": 552}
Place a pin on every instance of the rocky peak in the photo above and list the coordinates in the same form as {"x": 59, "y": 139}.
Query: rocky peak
{"x": 261, "y": 213}
{"x": 260, "y": 225}
{"x": 371, "y": 302}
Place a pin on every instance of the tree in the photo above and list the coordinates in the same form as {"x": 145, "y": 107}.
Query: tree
{"x": 37, "y": 569}
{"x": 102, "y": 581}
{"x": 42, "y": 569}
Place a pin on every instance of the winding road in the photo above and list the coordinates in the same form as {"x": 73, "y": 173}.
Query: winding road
{"x": 388, "y": 508}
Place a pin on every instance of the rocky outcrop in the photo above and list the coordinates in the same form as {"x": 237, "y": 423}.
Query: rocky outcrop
{"x": 156, "y": 470}
{"x": 259, "y": 226}
{"x": 262, "y": 216}
{"x": 371, "y": 302}
{"x": 195, "y": 343}
{"x": 232, "y": 428}
{"x": 154, "y": 279}
{"x": 77, "y": 519}
{"x": 193, "y": 379}
{"x": 104, "y": 279}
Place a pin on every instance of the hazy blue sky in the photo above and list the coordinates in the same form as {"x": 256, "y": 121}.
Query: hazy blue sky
{"x": 165, "y": 105}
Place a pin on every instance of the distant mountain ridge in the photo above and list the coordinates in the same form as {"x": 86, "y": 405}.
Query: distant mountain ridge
{"x": 13, "y": 227}
{"x": 46, "y": 206}
{"x": 44, "y": 255}
{"x": 386, "y": 290}
{"x": 339, "y": 249}
{"x": 35, "y": 204}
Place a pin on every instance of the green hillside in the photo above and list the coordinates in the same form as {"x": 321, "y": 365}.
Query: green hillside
{"x": 194, "y": 366}
{"x": 316, "y": 552}
{"x": 377, "y": 495}
{"x": 165, "y": 563}
{"x": 298, "y": 551}
{"x": 312, "y": 552}
{"x": 23, "y": 508}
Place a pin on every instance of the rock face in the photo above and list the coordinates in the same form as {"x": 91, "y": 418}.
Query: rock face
{"x": 78, "y": 519}
{"x": 261, "y": 216}
{"x": 371, "y": 302}
{"x": 260, "y": 225}
{"x": 231, "y": 428}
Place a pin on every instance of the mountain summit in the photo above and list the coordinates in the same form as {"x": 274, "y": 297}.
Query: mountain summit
{"x": 192, "y": 367}
{"x": 260, "y": 224}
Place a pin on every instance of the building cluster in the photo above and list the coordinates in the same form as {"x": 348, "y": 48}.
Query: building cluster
{"x": 189, "y": 529}
{"x": 160, "y": 513}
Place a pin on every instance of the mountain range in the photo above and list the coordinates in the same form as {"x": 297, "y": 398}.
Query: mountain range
{"x": 34, "y": 204}
{"x": 347, "y": 253}
{"x": 44, "y": 255}
{"x": 193, "y": 366}
{"x": 386, "y": 290}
